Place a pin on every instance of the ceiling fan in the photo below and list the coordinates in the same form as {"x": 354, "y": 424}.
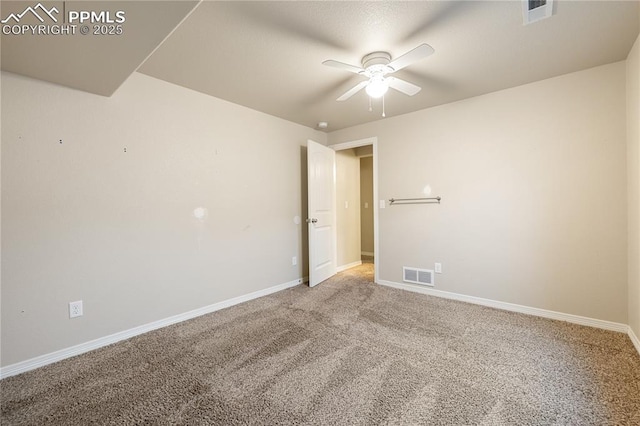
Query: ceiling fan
{"x": 376, "y": 66}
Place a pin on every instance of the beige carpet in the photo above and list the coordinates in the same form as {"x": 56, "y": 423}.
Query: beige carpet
{"x": 345, "y": 352}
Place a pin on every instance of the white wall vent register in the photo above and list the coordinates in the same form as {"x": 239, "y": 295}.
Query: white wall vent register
{"x": 536, "y": 10}
{"x": 417, "y": 276}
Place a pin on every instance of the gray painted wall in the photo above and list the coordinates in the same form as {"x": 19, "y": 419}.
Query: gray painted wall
{"x": 633, "y": 181}
{"x": 534, "y": 193}
{"x": 83, "y": 219}
{"x": 535, "y": 182}
{"x": 366, "y": 210}
{"x": 347, "y": 207}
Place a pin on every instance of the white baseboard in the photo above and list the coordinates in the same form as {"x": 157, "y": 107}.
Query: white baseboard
{"x": 575, "y": 319}
{"x": 348, "y": 266}
{"x": 42, "y": 360}
{"x": 366, "y": 253}
{"x": 634, "y": 339}
{"x": 50, "y": 358}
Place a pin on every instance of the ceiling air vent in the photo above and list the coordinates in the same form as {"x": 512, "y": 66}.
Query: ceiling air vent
{"x": 535, "y": 10}
{"x": 417, "y": 276}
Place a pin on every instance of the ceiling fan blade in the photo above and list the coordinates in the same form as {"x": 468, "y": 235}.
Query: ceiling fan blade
{"x": 403, "y": 86}
{"x": 343, "y": 66}
{"x": 412, "y": 56}
{"x": 355, "y": 89}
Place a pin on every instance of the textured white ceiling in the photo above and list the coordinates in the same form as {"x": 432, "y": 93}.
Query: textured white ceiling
{"x": 268, "y": 55}
{"x": 93, "y": 63}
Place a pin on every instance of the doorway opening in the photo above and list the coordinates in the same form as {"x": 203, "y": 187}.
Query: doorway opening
{"x": 356, "y": 212}
{"x": 367, "y": 249}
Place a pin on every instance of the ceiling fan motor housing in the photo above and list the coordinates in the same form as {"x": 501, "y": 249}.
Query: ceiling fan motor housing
{"x": 376, "y": 63}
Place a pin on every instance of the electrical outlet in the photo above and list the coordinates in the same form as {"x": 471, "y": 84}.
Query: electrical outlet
{"x": 438, "y": 268}
{"x": 75, "y": 309}
{"x": 294, "y": 261}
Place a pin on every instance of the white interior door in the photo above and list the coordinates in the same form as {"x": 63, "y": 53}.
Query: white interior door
{"x": 321, "y": 171}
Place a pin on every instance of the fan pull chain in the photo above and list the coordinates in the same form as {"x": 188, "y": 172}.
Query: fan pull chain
{"x": 383, "y": 114}
{"x": 370, "y": 109}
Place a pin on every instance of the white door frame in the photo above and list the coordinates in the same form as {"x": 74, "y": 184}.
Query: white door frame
{"x": 355, "y": 144}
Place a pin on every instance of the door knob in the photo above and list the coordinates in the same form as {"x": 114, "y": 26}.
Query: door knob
{"x": 312, "y": 220}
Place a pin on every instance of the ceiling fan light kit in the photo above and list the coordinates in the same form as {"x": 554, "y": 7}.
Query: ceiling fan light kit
{"x": 377, "y": 87}
{"x": 376, "y": 66}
